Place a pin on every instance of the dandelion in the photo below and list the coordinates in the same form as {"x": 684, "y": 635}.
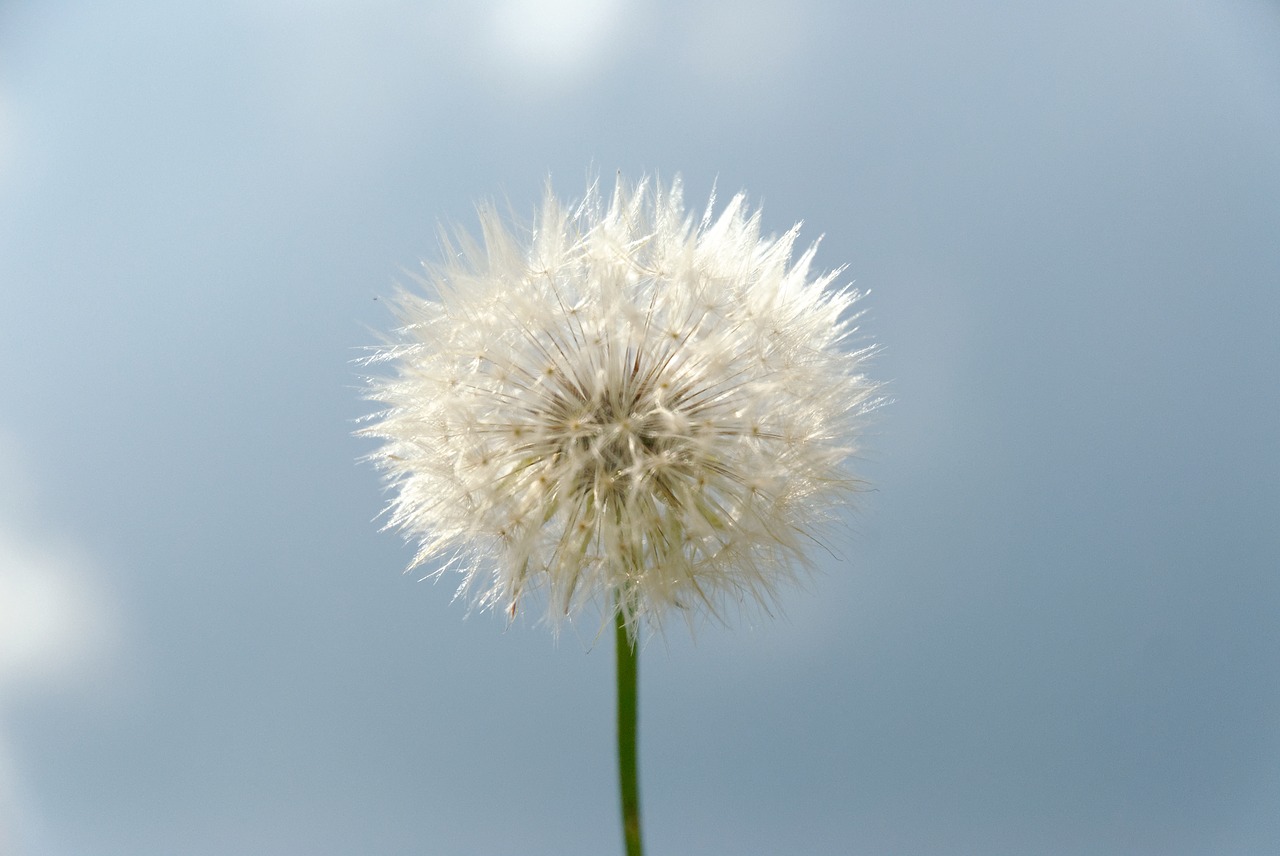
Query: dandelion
{"x": 624, "y": 409}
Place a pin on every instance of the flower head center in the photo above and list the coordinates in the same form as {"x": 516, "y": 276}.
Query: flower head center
{"x": 621, "y": 442}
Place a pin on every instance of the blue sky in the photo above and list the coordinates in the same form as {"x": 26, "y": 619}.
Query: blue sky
{"x": 1051, "y": 629}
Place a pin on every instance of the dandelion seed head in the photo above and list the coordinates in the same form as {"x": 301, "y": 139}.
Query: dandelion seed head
{"x": 621, "y": 405}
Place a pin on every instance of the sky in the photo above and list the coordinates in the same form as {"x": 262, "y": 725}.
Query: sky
{"x": 1051, "y": 627}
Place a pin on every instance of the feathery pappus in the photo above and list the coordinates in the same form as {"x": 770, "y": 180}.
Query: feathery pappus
{"x": 621, "y": 406}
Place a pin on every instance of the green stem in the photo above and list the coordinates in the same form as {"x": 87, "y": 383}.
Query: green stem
{"x": 628, "y": 773}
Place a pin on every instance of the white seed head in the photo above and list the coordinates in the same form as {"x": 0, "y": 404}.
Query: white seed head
{"x": 623, "y": 405}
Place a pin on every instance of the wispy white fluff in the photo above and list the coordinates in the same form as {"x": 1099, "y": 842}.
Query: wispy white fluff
{"x": 621, "y": 404}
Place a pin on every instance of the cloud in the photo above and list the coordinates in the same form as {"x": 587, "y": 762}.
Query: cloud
{"x": 52, "y": 623}
{"x": 554, "y": 38}
{"x": 57, "y": 632}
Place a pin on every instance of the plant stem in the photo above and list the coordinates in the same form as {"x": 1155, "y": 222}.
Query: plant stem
{"x": 628, "y": 773}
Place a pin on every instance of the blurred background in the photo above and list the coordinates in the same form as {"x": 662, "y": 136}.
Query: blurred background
{"x": 1052, "y": 629}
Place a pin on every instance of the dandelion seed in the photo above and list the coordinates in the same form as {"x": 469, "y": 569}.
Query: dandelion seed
{"x": 624, "y": 405}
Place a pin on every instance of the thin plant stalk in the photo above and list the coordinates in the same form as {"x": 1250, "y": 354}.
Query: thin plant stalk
{"x": 628, "y": 772}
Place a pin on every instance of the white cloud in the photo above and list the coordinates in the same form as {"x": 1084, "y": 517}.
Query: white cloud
{"x": 58, "y": 622}
{"x": 555, "y": 37}
{"x": 57, "y": 632}
{"x": 52, "y": 625}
